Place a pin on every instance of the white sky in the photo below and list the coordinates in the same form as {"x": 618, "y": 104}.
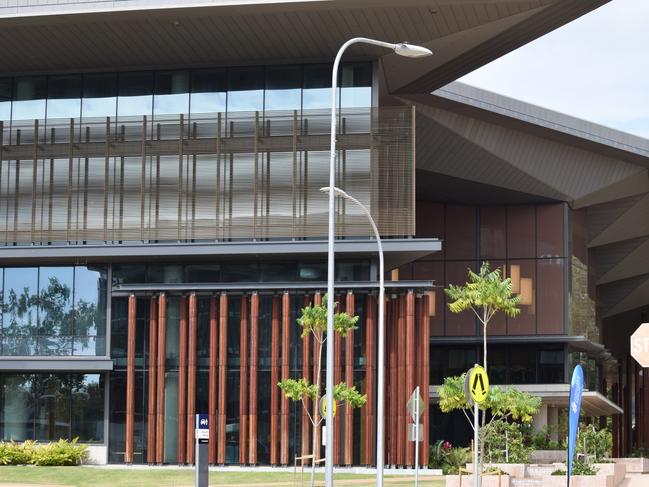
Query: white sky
{"x": 595, "y": 68}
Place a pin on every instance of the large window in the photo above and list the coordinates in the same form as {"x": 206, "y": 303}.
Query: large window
{"x": 133, "y": 94}
{"x": 53, "y": 311}
{"x": 47, "y": 407}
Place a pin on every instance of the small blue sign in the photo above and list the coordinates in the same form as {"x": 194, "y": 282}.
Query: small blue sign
{"x": 576, "y": 389}
{"x": 202, "y": 422}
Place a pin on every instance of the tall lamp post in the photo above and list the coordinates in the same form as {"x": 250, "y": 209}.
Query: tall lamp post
{"x": 402, "y": 49}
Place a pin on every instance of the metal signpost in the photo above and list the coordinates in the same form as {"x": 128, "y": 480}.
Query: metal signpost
{"x": 202, "y": 436}
{"x": 476, "y": 388}
{"x": 415, "y": 407}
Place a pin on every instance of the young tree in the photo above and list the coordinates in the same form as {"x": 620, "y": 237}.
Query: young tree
{"x": 313, "y": 321}
{"x": 485, "y": 294}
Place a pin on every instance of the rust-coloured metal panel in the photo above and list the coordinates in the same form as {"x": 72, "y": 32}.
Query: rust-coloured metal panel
{"x": 160, "y": 380}
{"x": 306, "y": 370}
{"x": 274, "y": 379}
{"x": 191, "y": 376}
{"x": 212, "y": 378}
{"x": 393, "y": 391}
{"x": 182, "y": 381}
{"x": 349, "y": 379}
{"x": 338, "y": 377}
{"x": 409, "y": 359}
{"x": 223, "y": 377}
{"x": 243, "y": 383}
{"x": 153, "y": 346}
{"x": 317, "y": 369}
{"x": 130, "y": 380}
{"x": 254, "y": 365}
{"x": 425, "y": 376}
{"x": 401, "y": 380}
{"x": 286, "y": 354}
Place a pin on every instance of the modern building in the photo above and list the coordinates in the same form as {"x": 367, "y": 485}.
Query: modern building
{"x": 161, "y": 223}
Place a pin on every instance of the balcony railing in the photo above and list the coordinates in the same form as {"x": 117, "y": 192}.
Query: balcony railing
{"x": 207, "y": 177}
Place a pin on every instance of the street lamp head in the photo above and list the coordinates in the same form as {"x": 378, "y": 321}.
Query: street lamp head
{"x": 409, "y": 50}
{"x": 337, "y": 191}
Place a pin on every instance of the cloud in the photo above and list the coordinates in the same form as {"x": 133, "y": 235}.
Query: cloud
{"x": 595, "y": 68}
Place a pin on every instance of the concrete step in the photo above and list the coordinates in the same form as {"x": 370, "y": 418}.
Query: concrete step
{"x": 526, "y": 482}
{"x": 538, "y": 471}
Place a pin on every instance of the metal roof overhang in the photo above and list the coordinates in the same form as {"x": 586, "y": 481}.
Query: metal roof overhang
{"x": 558, "y": 395}
{"x": 396, "y": 251}
{"x": 464, "y": 34}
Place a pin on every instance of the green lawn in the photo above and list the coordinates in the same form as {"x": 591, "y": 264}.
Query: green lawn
{"x": 167, "y": 477}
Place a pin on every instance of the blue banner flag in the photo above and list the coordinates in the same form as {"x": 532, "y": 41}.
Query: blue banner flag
{"x": 576, "y": 389}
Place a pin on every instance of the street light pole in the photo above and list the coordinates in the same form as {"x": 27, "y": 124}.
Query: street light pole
{"x": 403, "y": 49}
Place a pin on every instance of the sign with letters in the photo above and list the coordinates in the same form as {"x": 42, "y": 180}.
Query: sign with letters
{"x": 202, "y": 431}
{"x": 640, "y": 345}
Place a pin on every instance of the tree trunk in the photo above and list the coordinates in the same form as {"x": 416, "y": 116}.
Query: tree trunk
{"x": 316, "y": 413}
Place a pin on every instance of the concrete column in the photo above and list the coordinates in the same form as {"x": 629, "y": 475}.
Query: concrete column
{"x": 541, "y": 418}
{"x": 553, "y": 422}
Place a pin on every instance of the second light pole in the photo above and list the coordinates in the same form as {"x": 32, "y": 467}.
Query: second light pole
{"x": 402, "y": 49}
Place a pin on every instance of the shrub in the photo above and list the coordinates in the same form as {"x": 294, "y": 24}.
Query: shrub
{"x": 593, "y": 442}
{"x": 456, "y": 458}
{"x": 640, "y": 453}
{"x": 579, "y": 468}
{"x": 501, "y": 435}
{"x": 61, "y": 453}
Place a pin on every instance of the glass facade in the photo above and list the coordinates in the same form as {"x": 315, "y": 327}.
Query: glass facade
{"x": 47, "y": 407}
{"x": 522, "y": 364}
{"x": 53, "y": 311}
{"x": 126, "y": 94}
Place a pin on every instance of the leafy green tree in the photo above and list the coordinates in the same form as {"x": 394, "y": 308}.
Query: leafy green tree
{"x": 313, "y": 321}
{"x": 485, "y": 294}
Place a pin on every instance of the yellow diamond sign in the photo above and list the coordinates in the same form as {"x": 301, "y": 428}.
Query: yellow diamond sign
{"x": 478, "y": 384}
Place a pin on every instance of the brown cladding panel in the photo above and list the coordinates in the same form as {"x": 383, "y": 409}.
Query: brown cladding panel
{"x": 130, "y": 379}
{"x": 191, "y": 376}
{"x": 243, "y": 383}
{"x": 306, "y": 371}
{"x": 160, "y": 380}
{"x": 521, "y": 232}
{"x": 549, "y": 230}
{"x": 286, "y": 354}
{"x": 393, "y": 392}
{"x": 550, "y": 293}
{"x": 410, "y": 363}
{"x": 425, "y": 375}
{"x": 459, "y": 324}
{"x": 212, "y": 378}
{"x": 430, "y": 223}
{"x": 254, "y": 366}
{"x": 493, "y": 233}
{"x": 349, "y": 380}
{"x": 525, "y": 322}
{"x": 182, "y": 382}
{"x": 498, "y": 324}
{"x": 460, "y": 232}
{"x": 338, "y": 377}
{"x": 223, "y": 376}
